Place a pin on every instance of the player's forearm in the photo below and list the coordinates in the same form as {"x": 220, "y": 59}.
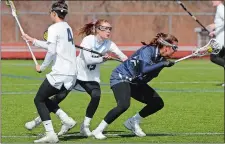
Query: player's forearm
{"x": 92, "y": 59}
{"x": 48, "y": 59}
{"x": 119, "y": 54}
{"x": 50, "y": 55}
{"x": 40, "y": 44}
{"x": 219, "y": 28}
{"x": 149, "y": 68}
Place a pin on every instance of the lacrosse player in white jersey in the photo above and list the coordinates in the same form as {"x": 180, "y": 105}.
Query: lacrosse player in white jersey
{"x": 88, "y": 64}
{"x": 62, "y": 53}
{"x": 96, "y": 38}
{"x": 217, "y": 30}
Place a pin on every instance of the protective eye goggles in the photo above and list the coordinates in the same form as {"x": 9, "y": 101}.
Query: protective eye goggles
{"x": 174, "y": 47}
{"x": 104, "y": 28}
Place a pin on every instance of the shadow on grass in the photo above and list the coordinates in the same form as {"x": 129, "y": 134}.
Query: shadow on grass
{"x": 219, "y": 84}
{"x": 114, "y": 134}
{"x": 150, "y": 135}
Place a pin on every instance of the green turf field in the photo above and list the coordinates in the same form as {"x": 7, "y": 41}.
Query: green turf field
{"x": 193, "y": 112}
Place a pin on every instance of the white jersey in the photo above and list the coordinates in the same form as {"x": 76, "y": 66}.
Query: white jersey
{"x": 63, "y": 55}
{"x": 219, "y": 24}
{"x": 88, "y": 63}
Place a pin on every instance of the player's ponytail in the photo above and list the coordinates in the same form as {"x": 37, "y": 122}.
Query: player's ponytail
{"x": 156, "y": 43}
{"x": 87, "y": 29}
{"x": 61, "y": 8}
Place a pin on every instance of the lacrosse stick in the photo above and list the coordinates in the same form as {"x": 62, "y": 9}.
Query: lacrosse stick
{"x": 11, "y": 4}
{"x": 182, "y": 5}
{"x": 92, "y": 51}
{"x": 213, "y": 47}
{"x": 83, "y": 48}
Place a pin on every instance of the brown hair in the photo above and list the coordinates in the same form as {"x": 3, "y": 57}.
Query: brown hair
{"x": 61, "y": 8}
{"x": 167, "y": 37}
{"x": 90, "y": 28}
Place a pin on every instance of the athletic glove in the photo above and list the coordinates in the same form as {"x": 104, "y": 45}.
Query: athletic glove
{"x": 168, "y": 63}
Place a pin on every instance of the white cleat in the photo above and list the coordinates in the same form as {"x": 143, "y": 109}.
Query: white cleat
{"x": 66, "y": 126}
{"x": 98, "y": 135}
{"x": 31, "y": 125}
{"x": 133, "y": 125}
{"x": 85, "y": 131}
{"x": 223, "y": 85}
{"x": 48, "y": 138}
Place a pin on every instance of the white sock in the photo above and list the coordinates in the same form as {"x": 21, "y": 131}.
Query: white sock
{"x": 101, "y": 126}
{"x": 137, "y": 117}
{"x": 37, "y": 120}
{"x": 48, "y": 126}
{"x": 87, "y": 121}
{"x": 62, "y": 115}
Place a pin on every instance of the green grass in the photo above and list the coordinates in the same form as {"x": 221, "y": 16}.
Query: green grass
{"x": 193, "y": 112}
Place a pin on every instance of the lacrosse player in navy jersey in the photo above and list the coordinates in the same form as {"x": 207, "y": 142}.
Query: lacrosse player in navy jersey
{"x": 217, "y": 30}
{"x": 130, "y": 79}
{"x": 88, "y": 78}
{"x": 62, "y": 53}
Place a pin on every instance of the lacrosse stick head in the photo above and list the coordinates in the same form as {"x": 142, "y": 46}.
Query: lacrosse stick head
{"x": 7, "y": 3}
{"x": 12, "y": 6}
{"x": 213, "y": 47}
{"x": 45, "y": 36}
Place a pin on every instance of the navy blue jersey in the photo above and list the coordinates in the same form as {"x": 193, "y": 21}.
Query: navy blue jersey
{"x": 144, "y": 65}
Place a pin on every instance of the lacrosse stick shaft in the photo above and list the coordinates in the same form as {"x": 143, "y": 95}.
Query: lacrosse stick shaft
{"x": 86, "y": 49}
{"x": 182, "y": 5}
{"x": 183, "y": 58}
{"x": 28, "y": 45}
{"x": 20, "y": 27}
{"x": 21, "y": 30}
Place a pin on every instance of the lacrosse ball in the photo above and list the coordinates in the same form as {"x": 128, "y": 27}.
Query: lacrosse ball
{"x": 210, "y": 50}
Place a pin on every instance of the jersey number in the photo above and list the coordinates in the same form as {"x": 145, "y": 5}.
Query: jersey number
{"x": 136, "y": 64}
{"x": 70, "y": 37}
{"x": 91, "y": 67}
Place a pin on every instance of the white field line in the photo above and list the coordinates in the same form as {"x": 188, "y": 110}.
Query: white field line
{"x": 115, "y": 135}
